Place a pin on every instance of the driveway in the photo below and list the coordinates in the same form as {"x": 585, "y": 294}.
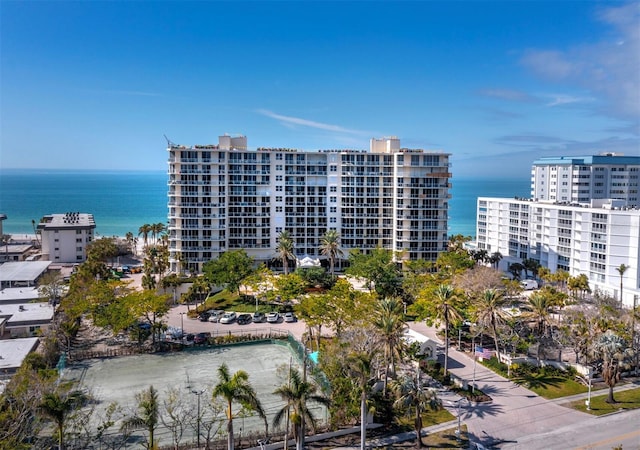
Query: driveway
{"x": 514, "y": 412}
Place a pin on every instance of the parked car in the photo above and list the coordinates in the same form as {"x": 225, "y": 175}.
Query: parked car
{"x": 244, "y": 319}
{"x": 290, "y": 317}
{"x": 201, "y": 338}
{"x": 259, "y": 317}
{"x": 203, "y": 317}
{"x": 229, "y": 317}
{"x": 215, "y": 315}
{"x": 529, "y": 285}
{"x": 273, "y": 317}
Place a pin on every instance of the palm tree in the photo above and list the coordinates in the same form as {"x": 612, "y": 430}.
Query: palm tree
{"x": 58, "y": 407}
{"x": 360, "y": 367}
{"x": 495, "y": 259}
{"x": 148, "y": 417}
{"x": 540, "y": 311}
{"x": 284, "y": 249}
{"x": 410, "y": 394}
{"x": 614, "y": 351}
{"x": 129, "y": 239}
{"x": 144, "y": 230}
{"x": 621, "y": 270}
{"x": 489, "y": 313}
{"x": 447, "y": 311}
{"x": 156, "y": 230}
{"x": 390, "y": 324}
{"x": 236, "y": 388}
{"x": 35, "y": 231}
{"x": 330, "y": 247}
{"x": 296, "y": 393}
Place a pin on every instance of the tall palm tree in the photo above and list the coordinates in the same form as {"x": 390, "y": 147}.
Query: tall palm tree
{"x": 621, "y": 270}
{"x": 410, "y": 394}
{"x": 360, "y": 365}
{"x": 296, "y": 392}
{"x": 148, "y": 417}
{"x": 389, "y": 323}
{"x": 614, "y": 351}
{"x": 490, "y": 314}
{"x": 540, "y": 311}
{"x": 156, "y": 230}
{"x": 236, "y": 388}
{"x": 330, "y": 247}
{"x": 284, "y": 249}
{"x": 144, "y": 231}
{"x": 58, "y": 407}
{"x": 447, "y": 310}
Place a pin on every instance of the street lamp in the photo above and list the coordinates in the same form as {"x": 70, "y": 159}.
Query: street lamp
{"x": 458, "y": 407}
{"x": 182, "y": 324}
{"x": 588, "y": 401}
{"x": 198, "y": 394}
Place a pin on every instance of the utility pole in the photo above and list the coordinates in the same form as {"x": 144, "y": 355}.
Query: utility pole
{"x": 198, "y": 394}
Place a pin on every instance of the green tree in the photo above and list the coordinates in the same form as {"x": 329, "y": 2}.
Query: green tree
{"x": 490, "y": 313}
{"x": 58, "y": 406}
{"x": 229, "y": 270}
{"x": 330, "y": 247}
{"x": 235, "y": 388}
{"x": 147, "y": 418}
{"x": 411, "y": 395}
{"x": 284, "y": 249}
{"x": 144, "y": 231}
{"x": 530, "y": 265}
{"x": 152, "y": 308}
{"x": 296, "y": 392}
{"x": 516, "y": 269}
{"x": 390, "y": 325}
{"x": 51, "y": 286}
{"x": 621, "y": 269}
{"x": 378, "y": 269}
{"x": 615, "y": 353}
{"x": 440, "y": 305}
{"x": 578, "y": 286}
{"x": 290, "y": 286}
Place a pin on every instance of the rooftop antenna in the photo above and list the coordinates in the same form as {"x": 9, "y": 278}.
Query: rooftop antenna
{"x": 169, "y": 142}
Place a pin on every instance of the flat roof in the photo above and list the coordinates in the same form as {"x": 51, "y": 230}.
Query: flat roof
{"x": 22, "y": 270}
{"x": 588, "y": 160}
{"x": 26, "y": 312}
{"x": 13, "y": 352}
{"x": 19, "y": 295}
{"x": 71, "y": 220}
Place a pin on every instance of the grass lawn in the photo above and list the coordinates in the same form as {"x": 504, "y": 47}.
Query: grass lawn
{"x": 550, "y": 387}
{"x": 447, "y": 439}
{"x": 626, "y": 400}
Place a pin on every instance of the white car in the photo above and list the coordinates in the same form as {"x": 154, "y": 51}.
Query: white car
{"x": 289, "y": 317}
{"x": 214, "y": 316}
{"x": 229, "y": 317}
{"x": 273, "y": 317}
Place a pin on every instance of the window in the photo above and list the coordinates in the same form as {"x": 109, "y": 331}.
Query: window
{"x": 279, "y": 167}
{"x": 333, "y": 209}
{"x": 333, "y": 168}
{"x": 278, "y": 156}
{"x": 333, "y": 189}
{"x": 279, "y": 209}
{"x": 279, "y": 198}
{"x": 78, "y": 249}
{"x": 333, "y": 199}
{"x": 278, "y": 177}
{"x": 278, "y": 188}
{"x": 278, "y": 229}
{"x": 78, "y": 240}
{"x": 332, "y": 220}
{"x": 78, "y": 231}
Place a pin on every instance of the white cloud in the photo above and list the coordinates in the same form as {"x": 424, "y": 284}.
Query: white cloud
{"x": 608, "y": 69}
{"x": 564, "y": 99}
{"x": 507, "y": 94}
{"x": 293, "y": 121}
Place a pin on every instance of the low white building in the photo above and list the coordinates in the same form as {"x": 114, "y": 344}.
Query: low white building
{"x": 25, "y": 319}
{"x": 594, "y": 240}
{"x": 65, "y": 236}
{"x": 13, "y": 352}
{"x": 22, "y": 273}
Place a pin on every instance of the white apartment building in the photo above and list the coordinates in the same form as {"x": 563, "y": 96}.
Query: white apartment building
{"x": 580, "y": 179}
{"x": 225, "y": 197}
{"x": 592, "y": 240}
{"x": 65, "y": 236}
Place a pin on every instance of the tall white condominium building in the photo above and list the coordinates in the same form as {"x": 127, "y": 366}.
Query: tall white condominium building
{"x": 65, "y": 236}
{"x": 225, "y": 197}
{"x": 584, "y": 178}
{"x": 581, "y": 234}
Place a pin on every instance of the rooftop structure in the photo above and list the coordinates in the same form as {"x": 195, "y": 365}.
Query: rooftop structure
{"x": 224, "y": 197}
{"x": 580, "y": 179}
{"x": 18, "y": 295}
{"x": 65, "y": 236}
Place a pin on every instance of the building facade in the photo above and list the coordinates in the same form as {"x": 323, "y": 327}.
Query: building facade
{"x": 65, "y": 236}
{"x": 225, "y": 197}
{"x": 592, "y": 240}
{"x": 586, "y": 178}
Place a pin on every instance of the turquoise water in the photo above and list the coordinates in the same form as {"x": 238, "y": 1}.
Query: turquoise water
{"x": 123, "y": 201}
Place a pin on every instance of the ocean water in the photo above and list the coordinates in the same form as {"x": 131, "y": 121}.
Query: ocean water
{"x": 123, "y": 201}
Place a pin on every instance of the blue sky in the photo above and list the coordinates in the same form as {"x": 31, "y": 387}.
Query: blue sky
{"x": 96, "y": 85}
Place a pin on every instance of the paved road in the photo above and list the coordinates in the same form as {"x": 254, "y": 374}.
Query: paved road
{"x": 514, "y": 411}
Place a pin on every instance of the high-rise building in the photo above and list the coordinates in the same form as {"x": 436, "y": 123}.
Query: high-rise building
{"x": 580, "y": 179}
{"x": 225, "y": 197}
{"x": 584, "y": 219}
